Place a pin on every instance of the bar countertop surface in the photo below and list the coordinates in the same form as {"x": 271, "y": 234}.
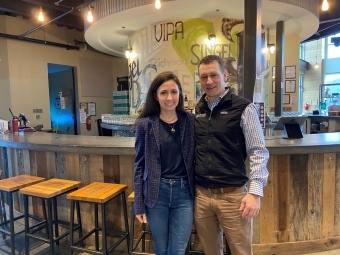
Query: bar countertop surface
{"x": 310, "y": 143}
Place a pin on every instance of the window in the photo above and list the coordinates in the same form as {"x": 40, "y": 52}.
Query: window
{"x": 332, "y": 78}
{"x": 332, "y": 50}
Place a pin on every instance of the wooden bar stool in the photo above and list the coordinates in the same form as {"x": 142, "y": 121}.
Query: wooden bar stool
{"x": 49, "y": 190}
{"x": 141, "y": 236}
{"x": 99, "y": 193}
{"x": 10, "y": 186}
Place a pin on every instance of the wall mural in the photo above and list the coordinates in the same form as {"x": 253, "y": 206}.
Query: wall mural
{"x": 178, "y": 46}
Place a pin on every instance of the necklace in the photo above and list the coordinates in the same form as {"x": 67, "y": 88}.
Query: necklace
{"x": 172, "y": 126}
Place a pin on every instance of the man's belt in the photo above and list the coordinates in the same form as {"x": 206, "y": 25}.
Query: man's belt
{"x": 221, "y": 190}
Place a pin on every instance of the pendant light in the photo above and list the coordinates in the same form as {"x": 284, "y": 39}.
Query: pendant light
{"x": 89, "y": 15}
{"x": 158, "y": 4}
{"x": 316, "y": 55}
{"x": 325, "y": 5}
{"x": 41, "y": 15}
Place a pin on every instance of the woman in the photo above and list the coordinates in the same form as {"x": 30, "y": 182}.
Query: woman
{"x": 164, "y": 163}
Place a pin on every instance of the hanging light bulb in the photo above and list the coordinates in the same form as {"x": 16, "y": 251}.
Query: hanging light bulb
{"x": 158, "y": 4}
{"x": 128, "y": 53}
{"x": 41, "y": 15}
{"x": 316, "y": 55}
{"x": 325, "y": 5}
{"x": 89, "y": 15}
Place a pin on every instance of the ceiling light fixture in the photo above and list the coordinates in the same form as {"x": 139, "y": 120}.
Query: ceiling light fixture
{"x": 325, "y": 5}
{"x": 316, "y": 55}
{"x": 41, "y": 15}
{"x": 271, "y": 48}
{"x": 89, "y": 15}
{"x": 158, "y": 4}
{"x": 212, "y": 40}
{"x": 130, "y": 54}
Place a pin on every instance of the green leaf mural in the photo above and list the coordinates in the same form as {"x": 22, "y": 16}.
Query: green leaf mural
{"x": 193, "y": 29}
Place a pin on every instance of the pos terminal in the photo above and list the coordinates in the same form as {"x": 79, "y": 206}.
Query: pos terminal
{"x": 292, "y": 126}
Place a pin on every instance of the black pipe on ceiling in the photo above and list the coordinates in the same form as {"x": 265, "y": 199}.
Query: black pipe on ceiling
{"x": 25, "y": 39}
{"x": 64, "y": 14}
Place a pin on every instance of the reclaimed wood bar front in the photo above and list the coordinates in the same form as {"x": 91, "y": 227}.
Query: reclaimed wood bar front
{"x": 300, "y": 212}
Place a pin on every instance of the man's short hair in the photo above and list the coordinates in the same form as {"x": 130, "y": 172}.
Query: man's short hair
{"x": 210, "y": 59}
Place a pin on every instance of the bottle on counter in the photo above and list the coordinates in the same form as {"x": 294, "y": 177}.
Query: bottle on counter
{"x": 185, "y": 102}
{"x": 191, "y": 105}
{"x": 15, "y": 125}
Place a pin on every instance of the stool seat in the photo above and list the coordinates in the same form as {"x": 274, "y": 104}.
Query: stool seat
{"x": 50, "y": 188}
{"x": 131, "y": 197}
{"x": 97, "y": 192}
{"x": 18, "y": 182}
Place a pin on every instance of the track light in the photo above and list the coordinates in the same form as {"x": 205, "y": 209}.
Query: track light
{"x": 41, "y": 15}
{"x": 158, "y": 4}
{"x": 325, "y": 5}
{"x": 89, "y": 15}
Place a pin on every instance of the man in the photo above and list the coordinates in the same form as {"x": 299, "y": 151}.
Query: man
{"x": 227, "y": 130}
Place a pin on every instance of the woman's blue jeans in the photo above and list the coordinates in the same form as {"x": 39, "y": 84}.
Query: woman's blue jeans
{"x": 170, "y": 219}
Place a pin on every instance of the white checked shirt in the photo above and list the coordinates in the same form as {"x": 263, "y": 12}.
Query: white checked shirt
{"x": 255, "y": 146}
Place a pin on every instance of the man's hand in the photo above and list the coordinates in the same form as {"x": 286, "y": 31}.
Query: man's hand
{"x": 250, "y": 206}
{"x": 142, "y": 218}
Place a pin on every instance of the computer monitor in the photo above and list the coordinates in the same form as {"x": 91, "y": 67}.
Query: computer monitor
{"x": 292, "y": 126}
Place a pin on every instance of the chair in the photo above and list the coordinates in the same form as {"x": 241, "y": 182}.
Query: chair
{"x": 103, "y": 131}
{"x": 10, "y": 186}
{"x": 99, "y": 194}
{"x": 141, "y": 236}
{"x": 49, "y": 190}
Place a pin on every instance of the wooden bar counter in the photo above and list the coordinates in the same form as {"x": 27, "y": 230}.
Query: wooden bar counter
{"x": 300, "y": 212}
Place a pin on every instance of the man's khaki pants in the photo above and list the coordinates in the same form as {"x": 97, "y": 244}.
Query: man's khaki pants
{"x": 217, "y": 212}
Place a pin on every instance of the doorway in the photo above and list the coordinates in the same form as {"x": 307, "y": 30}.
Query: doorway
{"x": 61, "y": 81}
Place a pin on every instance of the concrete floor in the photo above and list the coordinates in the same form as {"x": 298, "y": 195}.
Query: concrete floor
{"x": 40, "y": 248}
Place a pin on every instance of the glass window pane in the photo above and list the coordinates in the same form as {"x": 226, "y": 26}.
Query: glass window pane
{"x": 333, "y": 52}
{"x": 332, "y": 78}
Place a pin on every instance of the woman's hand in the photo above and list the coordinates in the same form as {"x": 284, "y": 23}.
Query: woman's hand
{"x": 142, "y": 218}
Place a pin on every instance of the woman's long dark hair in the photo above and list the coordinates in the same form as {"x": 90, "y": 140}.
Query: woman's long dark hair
{"x": 151, "y": 105}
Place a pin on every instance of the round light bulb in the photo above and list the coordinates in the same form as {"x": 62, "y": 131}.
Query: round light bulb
{"x": 316, "y": 66}
{"x": 41, "y": 15}
{"x": 325, "y": 5}
{"x": 89, "y": 16}
{"x": 158, "y": 4}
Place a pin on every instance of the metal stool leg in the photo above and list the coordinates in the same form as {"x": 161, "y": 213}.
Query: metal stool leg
{"x": 43, "y": 205}
{"x": 50, "y": 225}
{"x": 3, "y": 217}
{"x": 11, "y": 222}
{"x": 126, "y": 219}
{"x": 26, "y": 224}
{"x": 80, "y": 231}
{"x": 104, "y": 245}
{"x": 96, "y": 225}
{"x": 71, "y": 225}
{"x": 55, "y": 212}
{"x": 132, "y": 228}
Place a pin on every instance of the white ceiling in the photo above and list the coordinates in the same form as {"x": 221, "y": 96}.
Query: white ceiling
{"x": 108, "y": 35}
